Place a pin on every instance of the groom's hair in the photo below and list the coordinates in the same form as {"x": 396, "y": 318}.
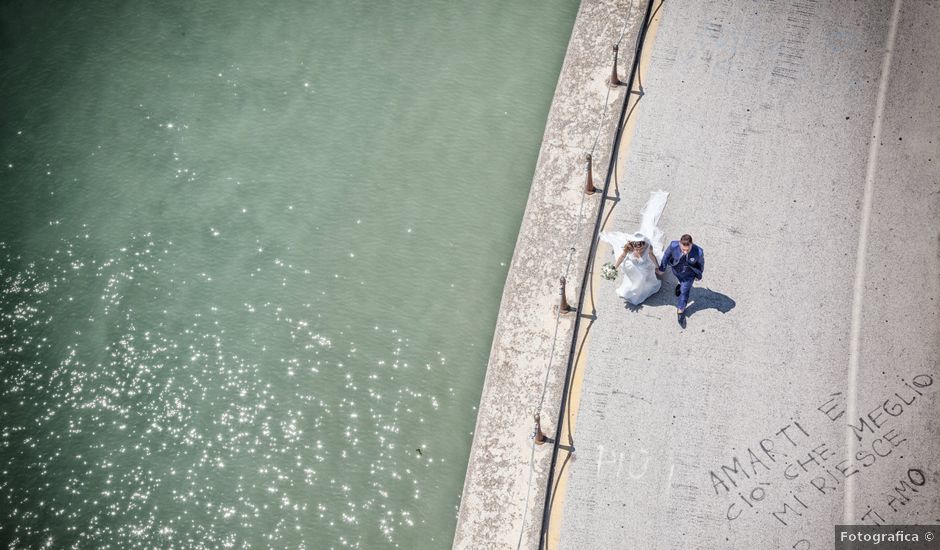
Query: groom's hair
{"x": 686, "y": 239}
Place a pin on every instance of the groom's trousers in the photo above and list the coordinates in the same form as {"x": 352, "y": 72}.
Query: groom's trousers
{"x": 685, "y": 286}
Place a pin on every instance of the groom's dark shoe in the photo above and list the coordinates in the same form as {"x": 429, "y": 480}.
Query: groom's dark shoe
{"x": 681, "y": 318}
{"x": 678, "y": 291}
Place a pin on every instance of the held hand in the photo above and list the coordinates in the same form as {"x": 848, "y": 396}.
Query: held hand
{"x": 659, "y": 273}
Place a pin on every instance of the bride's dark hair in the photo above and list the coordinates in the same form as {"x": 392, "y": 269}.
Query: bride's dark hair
{"x": 629, "y": 247}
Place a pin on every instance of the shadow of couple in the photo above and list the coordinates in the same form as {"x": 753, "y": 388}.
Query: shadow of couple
{"x": 700, "y": 299}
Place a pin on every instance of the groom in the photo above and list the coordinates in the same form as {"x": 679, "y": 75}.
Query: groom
{"x": 688, "y": 263}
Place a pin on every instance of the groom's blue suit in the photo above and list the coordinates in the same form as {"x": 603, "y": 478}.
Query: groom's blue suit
{"x": 687, "y": 267}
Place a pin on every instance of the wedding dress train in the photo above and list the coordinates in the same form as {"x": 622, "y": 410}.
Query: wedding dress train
{"x": 639, "y": 274}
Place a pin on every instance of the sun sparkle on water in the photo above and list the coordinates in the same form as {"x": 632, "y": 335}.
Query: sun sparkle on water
{"x": 250, "y": 262}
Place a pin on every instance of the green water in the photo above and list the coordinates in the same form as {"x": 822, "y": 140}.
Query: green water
{"x": 251, "y": 258}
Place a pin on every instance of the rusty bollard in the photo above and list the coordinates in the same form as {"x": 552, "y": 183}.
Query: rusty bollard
{"x": 564, "y": 307}
{"x": 614, "y": 79}
{"x": 589, "y": 188}
{"x": 540, "y": 437}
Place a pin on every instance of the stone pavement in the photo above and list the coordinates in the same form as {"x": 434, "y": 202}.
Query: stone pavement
{"x": 800, "y": 144}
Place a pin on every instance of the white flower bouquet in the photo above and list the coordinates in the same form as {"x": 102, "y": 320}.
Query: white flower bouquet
{"x": 609, "y": 272}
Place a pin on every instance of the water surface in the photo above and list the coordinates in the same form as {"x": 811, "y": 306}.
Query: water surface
{"x": 251, "y": 258}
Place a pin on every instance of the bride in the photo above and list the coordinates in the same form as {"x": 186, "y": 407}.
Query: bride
{"x": 638, "y": 252}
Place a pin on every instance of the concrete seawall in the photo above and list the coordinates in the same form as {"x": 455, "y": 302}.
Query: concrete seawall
{"x": 504, "y": 490}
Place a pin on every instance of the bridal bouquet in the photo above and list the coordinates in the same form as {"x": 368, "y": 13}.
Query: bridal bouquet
{"x": 609, "y": 272}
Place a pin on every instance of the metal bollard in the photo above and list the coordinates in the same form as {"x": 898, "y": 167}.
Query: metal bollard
{"x": 614, "y": 79}
{"x": 589, "y": 188}
{"x": 540, "y": 437}
{"x": 564, "y": 308}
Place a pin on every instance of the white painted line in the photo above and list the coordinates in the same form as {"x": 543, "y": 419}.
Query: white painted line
{"x": 848, "y": 507}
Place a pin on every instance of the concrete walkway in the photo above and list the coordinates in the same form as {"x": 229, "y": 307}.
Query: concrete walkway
{"x": 800, "y": 144}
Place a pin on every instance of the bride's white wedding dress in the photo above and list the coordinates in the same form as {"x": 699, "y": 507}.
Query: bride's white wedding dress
{"x": 639, "y": 273}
